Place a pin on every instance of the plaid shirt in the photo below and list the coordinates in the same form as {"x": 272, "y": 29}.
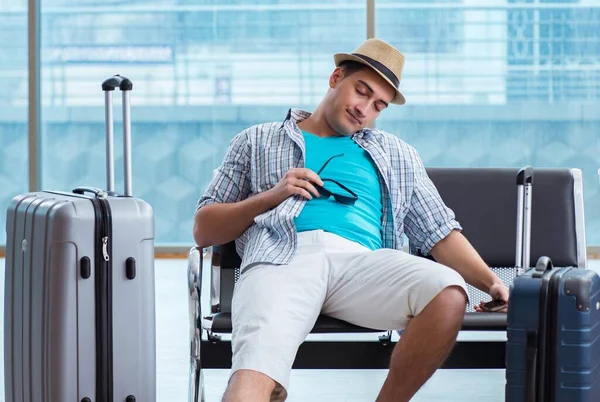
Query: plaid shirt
{"x": 259, "y": 156}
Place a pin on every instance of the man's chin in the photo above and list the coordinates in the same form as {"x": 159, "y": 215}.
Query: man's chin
{"x": 347, "y": 131}
{"x": 344, "y": 129}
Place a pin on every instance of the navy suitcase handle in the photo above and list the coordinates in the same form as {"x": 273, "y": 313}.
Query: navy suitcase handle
{"x": 543, "y": 265}
{"x": 525, "y": 176}
{"x": 524, "y": 194}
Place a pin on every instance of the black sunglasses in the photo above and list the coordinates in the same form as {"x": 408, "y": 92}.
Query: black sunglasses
{"x": 341, "y": 198}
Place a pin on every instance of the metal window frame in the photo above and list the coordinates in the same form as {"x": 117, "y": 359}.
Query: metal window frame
{"x": 34, "y": 92}
{"x": 34, "y": 127}
{"x": 34, "y": 102}
{"x": 370, "y": 19}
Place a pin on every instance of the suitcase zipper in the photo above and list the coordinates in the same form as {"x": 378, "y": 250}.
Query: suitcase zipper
{"x": 548, "y": 327}
{"x": 108, "y": 341}
{"x": 552, "y": 329}
{"x": 103, "y": 278}
{"x": 105, "y": 248}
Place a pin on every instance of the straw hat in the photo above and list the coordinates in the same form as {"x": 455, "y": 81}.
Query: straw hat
{"x": 382, "y": 57}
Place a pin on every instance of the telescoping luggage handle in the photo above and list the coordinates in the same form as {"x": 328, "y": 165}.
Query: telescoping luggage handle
{"x": 108, "y": 86}
{"x": 524, "y": 193}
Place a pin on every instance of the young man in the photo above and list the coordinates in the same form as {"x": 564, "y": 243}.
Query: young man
{"x": 318, "y": 205}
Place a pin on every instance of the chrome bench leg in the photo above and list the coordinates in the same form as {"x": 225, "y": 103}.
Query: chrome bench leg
{"x": 196, "y": 380}
{"x": 196, "y": 390}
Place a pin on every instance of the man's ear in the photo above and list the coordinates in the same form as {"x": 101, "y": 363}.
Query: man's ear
{"x": 336, "y": 76}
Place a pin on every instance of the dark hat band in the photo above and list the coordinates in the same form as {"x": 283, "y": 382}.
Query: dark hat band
{"x": 381, "y": 68}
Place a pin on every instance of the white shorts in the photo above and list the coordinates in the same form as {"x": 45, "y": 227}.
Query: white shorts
{"x": 275, "y": 306}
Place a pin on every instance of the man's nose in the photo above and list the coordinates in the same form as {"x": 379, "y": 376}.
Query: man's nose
{"x": 360, "y": 110}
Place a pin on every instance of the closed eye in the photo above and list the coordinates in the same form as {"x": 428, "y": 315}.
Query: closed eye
{"x": 363, "y": 86}
{"x": 379, "y": 106}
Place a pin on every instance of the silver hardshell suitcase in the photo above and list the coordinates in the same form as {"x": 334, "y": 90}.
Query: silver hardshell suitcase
{"x": 79, "y": 314}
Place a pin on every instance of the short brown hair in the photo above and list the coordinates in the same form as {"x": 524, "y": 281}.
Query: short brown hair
{"x": 349, "y": 67}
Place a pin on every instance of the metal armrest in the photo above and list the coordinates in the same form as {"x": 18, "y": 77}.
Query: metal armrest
{"x": 224, "y": 269}
{"x": 196, "y": 381}
{"x": 215, "y": 281}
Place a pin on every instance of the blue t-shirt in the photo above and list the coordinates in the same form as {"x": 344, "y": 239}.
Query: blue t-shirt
{"x": 356, "y": 170}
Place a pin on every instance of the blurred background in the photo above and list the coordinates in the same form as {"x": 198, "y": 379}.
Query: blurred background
{"x": 487, "y": 82}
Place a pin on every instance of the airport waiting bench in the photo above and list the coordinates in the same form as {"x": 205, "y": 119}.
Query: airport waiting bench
{"x": 485, "y": 203}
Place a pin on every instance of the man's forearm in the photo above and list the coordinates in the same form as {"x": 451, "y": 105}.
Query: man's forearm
{"x": 216, "y": 224}
{"x": 456, "y": 252}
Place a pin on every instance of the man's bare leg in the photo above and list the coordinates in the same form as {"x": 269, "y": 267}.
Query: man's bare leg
{"x": 424, "y": 345}
{"x": 249, "y": 386}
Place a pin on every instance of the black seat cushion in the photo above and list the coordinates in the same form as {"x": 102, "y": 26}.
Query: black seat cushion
{"x": 221, "y": 324}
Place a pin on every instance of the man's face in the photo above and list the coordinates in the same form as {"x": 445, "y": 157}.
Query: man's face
{"x": 356, "y": 100}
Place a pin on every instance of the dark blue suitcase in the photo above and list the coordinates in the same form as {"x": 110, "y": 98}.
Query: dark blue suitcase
{"x": 553, "y": 347}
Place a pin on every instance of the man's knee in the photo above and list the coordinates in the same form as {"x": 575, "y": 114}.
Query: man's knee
{"x": 448, "y": 306}
{"x": 252, "y": 380}
{"x": 454, "y": 298}
{"x": 442, "y": 287}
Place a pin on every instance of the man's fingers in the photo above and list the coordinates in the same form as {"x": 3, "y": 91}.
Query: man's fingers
{"x": 302, "y": 192}
{"x": 304, "y": 173}
{"x": 306, "y": 185}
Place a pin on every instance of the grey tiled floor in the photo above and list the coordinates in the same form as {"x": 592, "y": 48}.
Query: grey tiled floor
{"x": 306, "y": 385}
{"x": 363, "y": 386}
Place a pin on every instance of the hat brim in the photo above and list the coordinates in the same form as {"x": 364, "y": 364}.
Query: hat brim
{"x": 341, "y": 57}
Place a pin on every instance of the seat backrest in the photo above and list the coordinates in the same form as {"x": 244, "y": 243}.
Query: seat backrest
{"x": 485, "y": 203}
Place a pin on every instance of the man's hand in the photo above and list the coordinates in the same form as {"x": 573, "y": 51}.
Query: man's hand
{"x": 456, "y": 252}
{"x": 296, "y": 181}
{"x": 498, "y": 292}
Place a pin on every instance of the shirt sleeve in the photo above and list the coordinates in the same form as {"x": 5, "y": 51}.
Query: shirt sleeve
{"x": 231, "y": 182}
{"x": 428, "y": 220}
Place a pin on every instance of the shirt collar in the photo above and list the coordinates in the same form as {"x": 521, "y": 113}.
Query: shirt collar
{"x": 295, "y": 116}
